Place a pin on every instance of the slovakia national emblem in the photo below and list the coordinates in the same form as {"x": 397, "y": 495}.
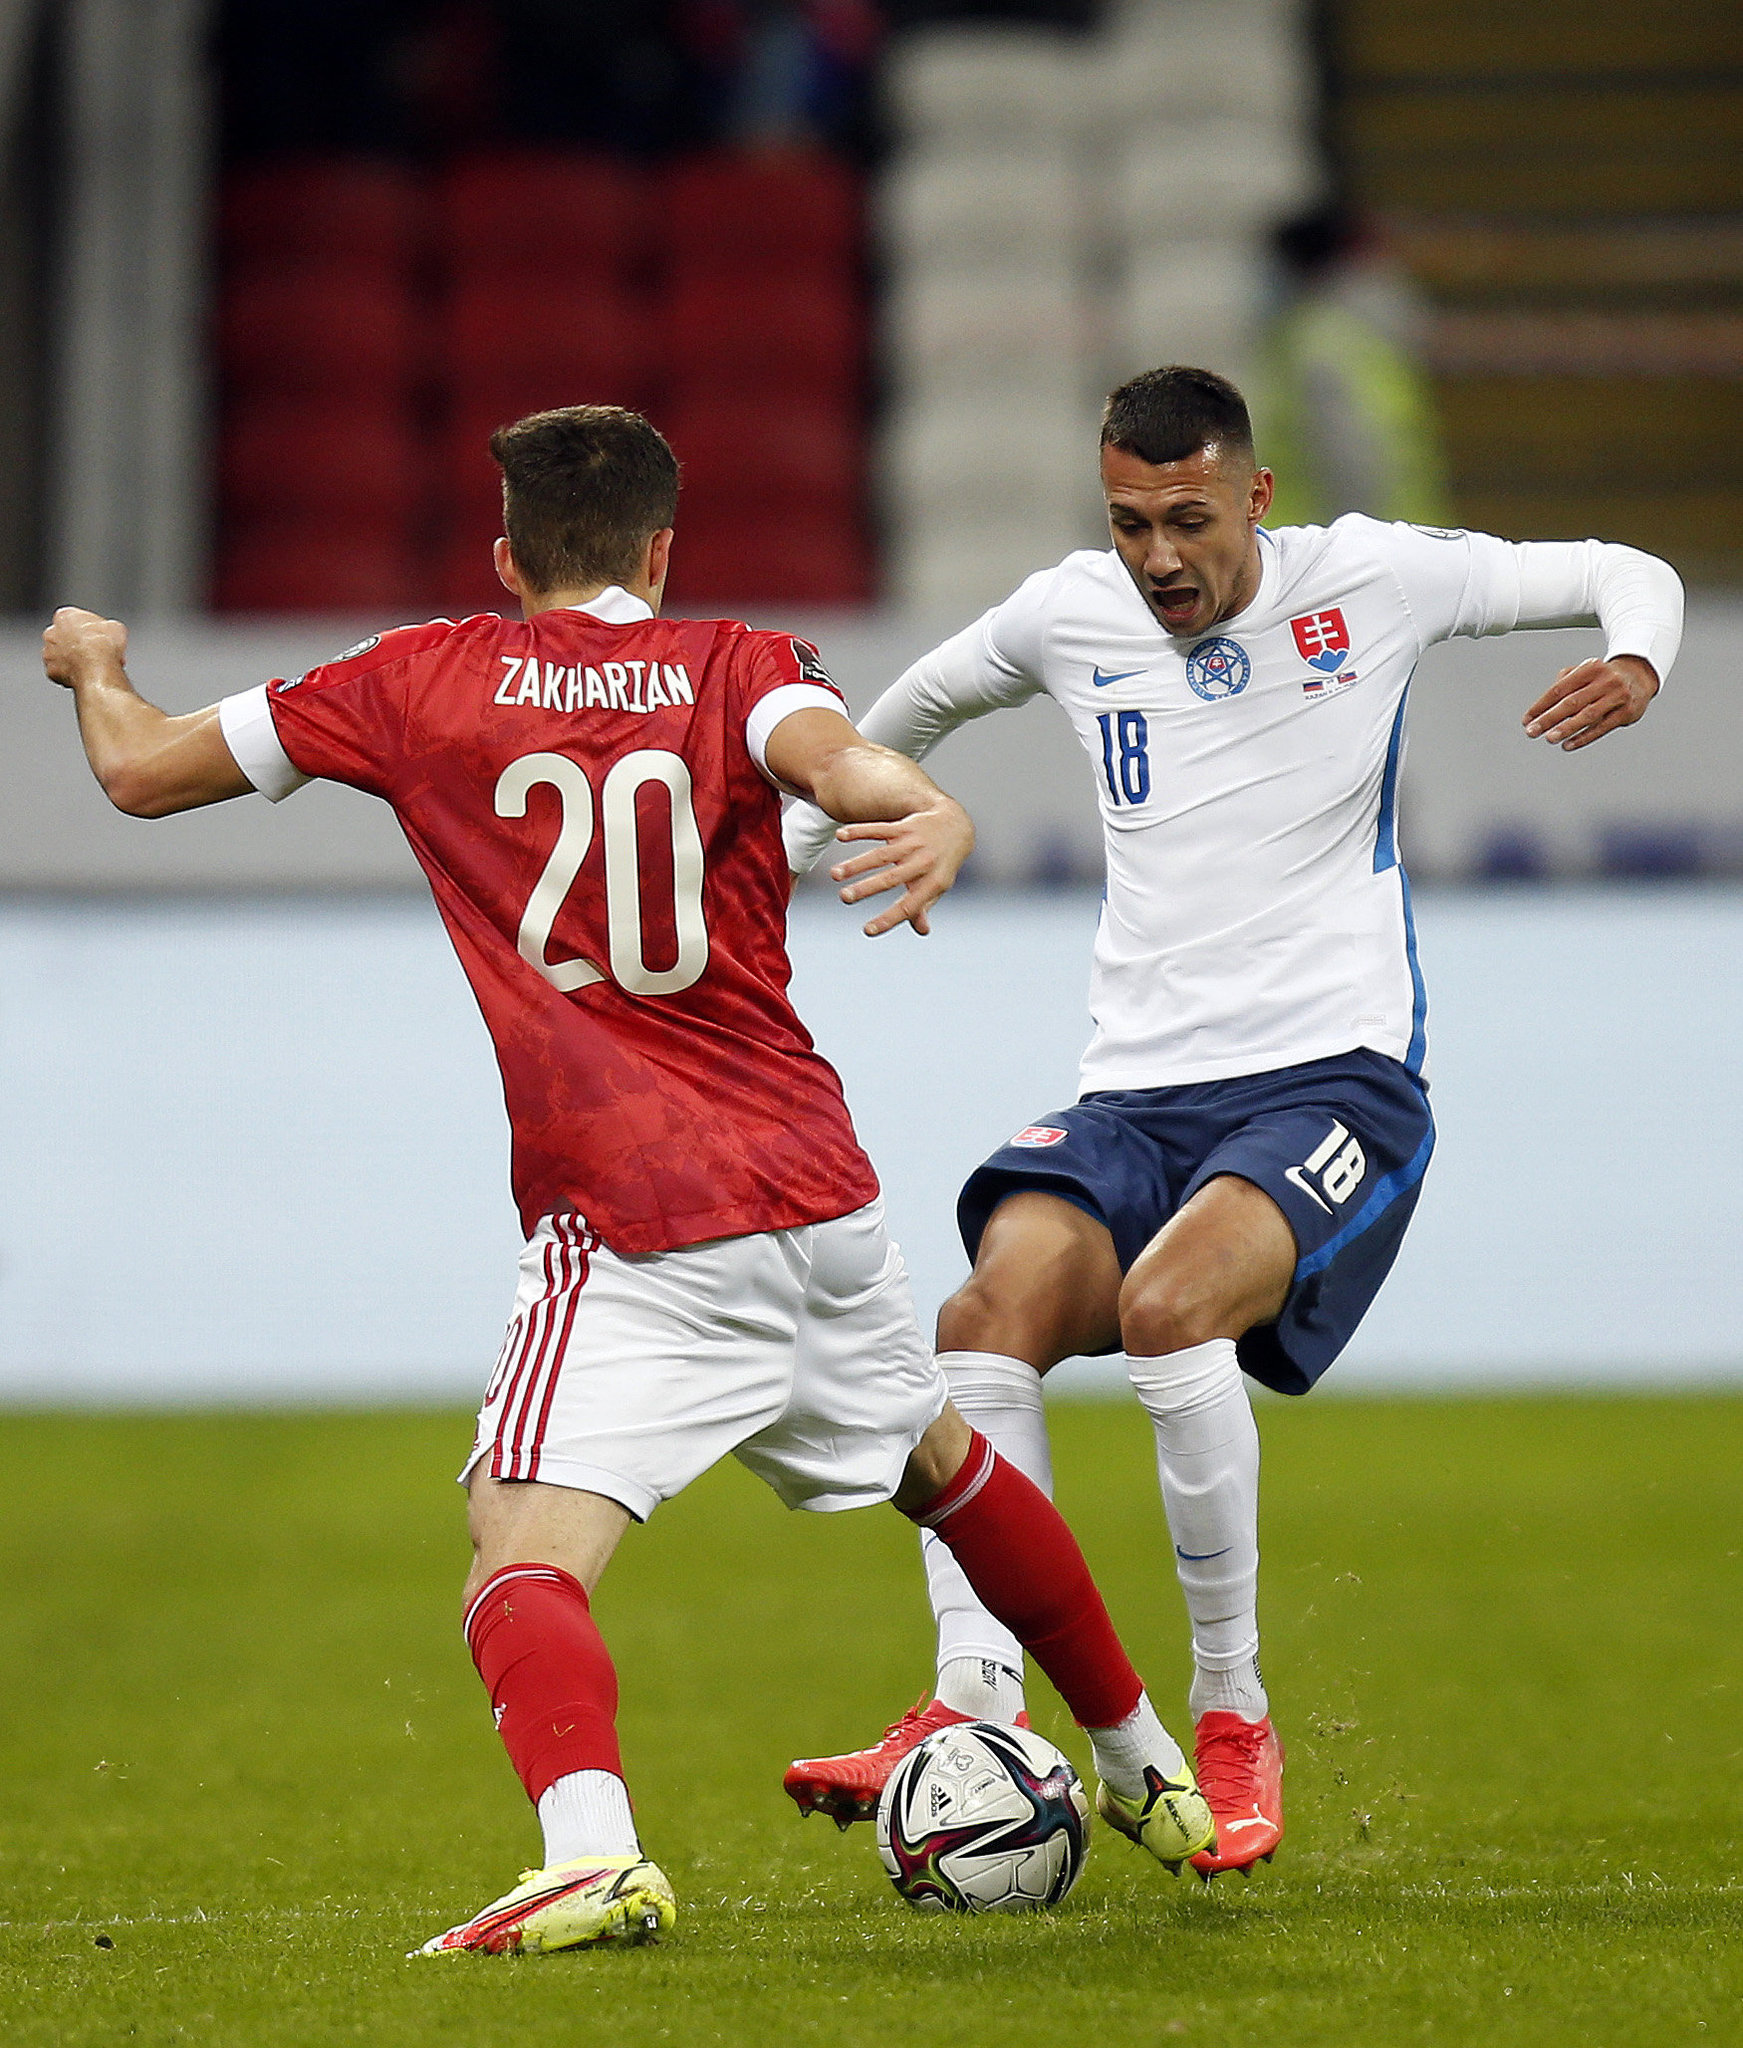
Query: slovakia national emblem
{"x": 1323, "y": 640}
{"x": 1039, "y": 1135}
{"x": 1218, "y": 668}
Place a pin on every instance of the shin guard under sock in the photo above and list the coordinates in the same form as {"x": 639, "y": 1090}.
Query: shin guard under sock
{"x": 1024, "y": 1564}
{"x": 549, "y": 1675}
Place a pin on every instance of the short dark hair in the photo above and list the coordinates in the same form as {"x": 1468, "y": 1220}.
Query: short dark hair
{"x": 1166, "y": 415}
{"x": 584, "y": 488}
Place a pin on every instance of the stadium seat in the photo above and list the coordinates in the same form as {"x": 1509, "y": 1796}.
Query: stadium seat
{"x": 766, "y": 454}
{"x": 958, "y": 333}
{"x": 358, "y": 213}
{"x": 514, "y": 344}
{"x": 306, "y": 330}
{"x": 1009, "y": 209}
{"x": 777, "y": 214}
{"x": 725, "y": 563}
{"x": 1216, "y": 173}
{"x": 975, "y": 87}
{"x": 288, "y": 456}
{"x": 1189, "y": 302}
{"x": 330, "y": 564}
{"x": 782, "y": 336}
{"x": 463, "y": 580}
{"x": 541, "y": 213}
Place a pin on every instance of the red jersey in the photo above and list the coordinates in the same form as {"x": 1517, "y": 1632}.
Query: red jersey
{"x": 606, "y": 856}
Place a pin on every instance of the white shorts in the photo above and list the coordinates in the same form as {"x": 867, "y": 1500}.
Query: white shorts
{"x": 796, "y": 1350}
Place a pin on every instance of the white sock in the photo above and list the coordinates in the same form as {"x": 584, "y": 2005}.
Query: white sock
{"x": 587, "y": 1814}
{"x": 1001, "y": 1397}
{"x": 1121, "y": 1752}
{"x": 982, "y": 1689}
{"x": 1207, "y": 1458}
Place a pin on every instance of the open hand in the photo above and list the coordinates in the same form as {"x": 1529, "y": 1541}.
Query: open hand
{"x": 920, "y": 854}
{"x": 1591, "y": 699}
{"x": 77, "y": 640}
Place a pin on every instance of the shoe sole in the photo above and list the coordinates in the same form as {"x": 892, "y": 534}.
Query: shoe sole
{"x": 844, "y": 1808}
{"x": 1226, "y": 1869}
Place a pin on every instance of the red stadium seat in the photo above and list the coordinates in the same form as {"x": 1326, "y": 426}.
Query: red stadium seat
{"x": 356, "y": 212}
{"x": 545, "y": 213}
{"x": 515, "y": 345}
{"x": 724, "y": 335}
{"x": 299, "y": 331}
{"x": 464, "y": 581}
{"x": 300, "y": 455}
{"x": 722, "y": 565}
{"x": 777, "y": 214}
{"x": 762, "y": 454}
{"x": 315, "y": 565}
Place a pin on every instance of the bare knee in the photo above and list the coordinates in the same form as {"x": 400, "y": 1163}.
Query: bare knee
{"x": 979, "y": 1317}
{"x": 1043, "y": 1288}
{"x": 1166, "y": 1312}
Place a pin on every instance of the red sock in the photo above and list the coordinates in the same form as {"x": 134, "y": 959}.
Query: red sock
{"x": 1024, "y": 1563}
{"x": 548, "y": 1672}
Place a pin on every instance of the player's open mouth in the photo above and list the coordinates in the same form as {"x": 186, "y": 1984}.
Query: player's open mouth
{"x": 1176, "y": 605}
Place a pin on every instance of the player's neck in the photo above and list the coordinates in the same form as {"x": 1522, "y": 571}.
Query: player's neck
{"x": 532, "y": 603}
{"x": 1247, "y": 584}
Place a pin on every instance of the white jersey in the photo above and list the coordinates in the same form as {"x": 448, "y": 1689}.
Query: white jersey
{"x": 1256, "y": 913}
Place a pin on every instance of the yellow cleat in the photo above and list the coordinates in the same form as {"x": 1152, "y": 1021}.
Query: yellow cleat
{"x": 585, "y": 1904}
{"x": 1173, "y": 1820}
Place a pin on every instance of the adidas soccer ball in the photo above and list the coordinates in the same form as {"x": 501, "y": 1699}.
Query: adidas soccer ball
{"x": 983, "y": 1819}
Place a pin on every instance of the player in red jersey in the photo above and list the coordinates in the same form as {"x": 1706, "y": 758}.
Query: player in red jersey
{"x": 594, "y": 795}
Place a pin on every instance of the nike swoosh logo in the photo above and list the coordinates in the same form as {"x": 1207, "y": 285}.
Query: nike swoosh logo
{"x": 1295, "y": 1175}
{"x": 1200, "y": 1556}
{"x": 1101, "y": 682}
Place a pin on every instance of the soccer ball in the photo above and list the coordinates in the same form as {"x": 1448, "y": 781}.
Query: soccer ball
{"x": 983, "y": 1819}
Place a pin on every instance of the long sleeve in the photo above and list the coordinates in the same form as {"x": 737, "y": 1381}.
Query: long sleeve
{"x": 1468, "y": 585}
{"x": 985, "y": 667}
{"x": 1635, "y": 597}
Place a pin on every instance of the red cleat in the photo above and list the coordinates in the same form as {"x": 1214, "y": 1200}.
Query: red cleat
{"x": 847, "y": 1787}
{"x": 1240, "y": 1771}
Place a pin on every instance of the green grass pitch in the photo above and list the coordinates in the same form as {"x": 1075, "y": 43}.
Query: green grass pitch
{"x": 243, "y": 1744}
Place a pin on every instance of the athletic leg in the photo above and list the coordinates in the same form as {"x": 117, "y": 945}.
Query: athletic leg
{"x": 1025, "y": 1564}
{"x": 1222, "y": 1265}
{"x": 539, "y": 1551}
{"x": 1045, "y": 1286}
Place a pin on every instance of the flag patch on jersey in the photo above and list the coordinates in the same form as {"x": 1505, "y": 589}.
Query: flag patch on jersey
{"x": 1040, "y": 1134}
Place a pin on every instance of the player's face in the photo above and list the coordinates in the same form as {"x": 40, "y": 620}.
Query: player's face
{"x": 1186, "y": 532}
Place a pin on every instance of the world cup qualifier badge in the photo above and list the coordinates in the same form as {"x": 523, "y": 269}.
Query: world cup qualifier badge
{"x": 1218, "y": 668}
{"x": 1322, "y": 639}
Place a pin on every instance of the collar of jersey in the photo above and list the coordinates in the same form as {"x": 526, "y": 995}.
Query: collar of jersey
{"x": 615, "y": 606}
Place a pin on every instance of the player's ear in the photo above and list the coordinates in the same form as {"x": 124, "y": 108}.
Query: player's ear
{"x": 659, "y": 563}
{"x": 1264, "y": 483}
{"x": 508, "y": 570}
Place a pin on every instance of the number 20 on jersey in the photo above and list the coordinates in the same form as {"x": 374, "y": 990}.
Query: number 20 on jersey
{"x": 1125, "y": 755}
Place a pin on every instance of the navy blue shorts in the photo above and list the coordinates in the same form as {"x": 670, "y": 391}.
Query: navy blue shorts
{"x": 1340, "y": 1145}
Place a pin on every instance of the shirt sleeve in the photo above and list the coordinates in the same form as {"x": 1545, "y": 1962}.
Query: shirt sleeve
{"x": 781, "y": 676}
{"x": 1469, "y": 585}
{"x": 345, "y": 720}
{"x": 988, "y": 666}
{"x": 246, "y": 723}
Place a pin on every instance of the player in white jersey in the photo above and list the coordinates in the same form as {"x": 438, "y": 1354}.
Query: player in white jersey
{"x": 1232, "y": 1185}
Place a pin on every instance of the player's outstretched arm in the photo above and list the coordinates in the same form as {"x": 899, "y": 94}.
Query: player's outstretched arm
{"x": 150, "y": 764}
{"x": 923, "y": 836}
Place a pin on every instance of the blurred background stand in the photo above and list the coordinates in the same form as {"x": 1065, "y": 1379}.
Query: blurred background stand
{"x": 1343, "y": 407}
